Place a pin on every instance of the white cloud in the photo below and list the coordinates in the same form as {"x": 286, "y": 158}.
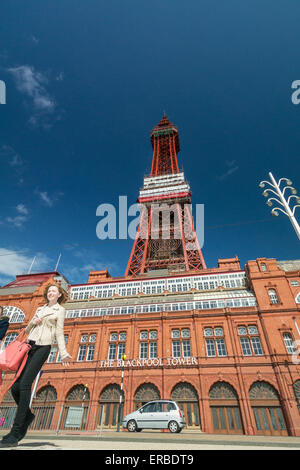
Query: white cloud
{"x": 87, "y": 260}
{"x": 34, "y": 39}
{"x": 22, "y": 216}
{"x": 13, "y": 263}
{"x": 48, "y": 200}
{"x": 32, "y": 84}
{"x": 232, "y": 169}
{"x": 22, "y": 209}
{"x": 44, "y": 196}
{"x": 9, "y": 154}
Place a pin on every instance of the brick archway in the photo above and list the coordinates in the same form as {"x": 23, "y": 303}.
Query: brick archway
{"x": 187, "y": 398}
{"x": 267, "y": 410}
{"x": 225, "y": 409}
{"x": 144, "y": 393}
{"x": 44, "y": 407}
{"x": 109, "y": 403}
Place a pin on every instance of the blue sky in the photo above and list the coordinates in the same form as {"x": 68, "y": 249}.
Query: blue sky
{"x": 88, "y": 80}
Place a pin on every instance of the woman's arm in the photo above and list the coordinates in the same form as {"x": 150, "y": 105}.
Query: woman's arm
{"x": 60, "y": 337}
{"x": 33, "y": 322}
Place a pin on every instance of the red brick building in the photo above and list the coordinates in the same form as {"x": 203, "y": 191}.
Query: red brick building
{"x": 219, "y": 341}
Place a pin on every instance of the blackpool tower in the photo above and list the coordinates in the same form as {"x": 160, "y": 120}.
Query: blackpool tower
{"x": 166, "y": 236}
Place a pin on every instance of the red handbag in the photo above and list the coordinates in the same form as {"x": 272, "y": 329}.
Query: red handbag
{"x": 14, "y": 354}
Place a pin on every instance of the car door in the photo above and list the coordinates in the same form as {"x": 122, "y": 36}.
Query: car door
{"x": 145, "y": 416}
{"x": 161, "y": 415}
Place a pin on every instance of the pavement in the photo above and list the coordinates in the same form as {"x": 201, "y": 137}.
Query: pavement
{"x": 151, "y": 441}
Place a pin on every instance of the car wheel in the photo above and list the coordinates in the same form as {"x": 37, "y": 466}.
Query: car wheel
{"x": 131, "y": 426}
{"x": 173, "y": 426}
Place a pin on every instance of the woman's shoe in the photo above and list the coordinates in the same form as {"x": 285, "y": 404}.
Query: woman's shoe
{"x": 10, "y": 440}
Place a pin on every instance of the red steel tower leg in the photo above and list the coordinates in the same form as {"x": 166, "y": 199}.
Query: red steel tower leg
{"x": 136, "y": 263}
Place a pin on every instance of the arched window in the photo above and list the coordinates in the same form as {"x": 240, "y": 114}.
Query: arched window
{"x": 267, "y": 410}
{"x": 15, "y": 314}
{"x": 8, "y": 339}
{"x": 44, "y": 407}
{"x": 76, "y": 408}
{"x": 298, "y": 299}
{"x": 273, "y": 296}
{"x": 187, "y": 398}
{"x": 225, "y": 409}
{"x": 109, "y": 403}
{"x": 146, "y": 392}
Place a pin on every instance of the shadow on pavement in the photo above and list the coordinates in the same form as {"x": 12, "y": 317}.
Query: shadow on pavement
{"x": 37, "y": 444}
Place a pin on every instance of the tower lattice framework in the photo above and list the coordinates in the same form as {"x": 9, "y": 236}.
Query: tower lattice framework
{"x": 166, "y": 235}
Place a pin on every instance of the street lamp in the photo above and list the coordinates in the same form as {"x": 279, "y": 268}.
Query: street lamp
{"x": 120, "y": 413}
{"x": 279, "y": 193}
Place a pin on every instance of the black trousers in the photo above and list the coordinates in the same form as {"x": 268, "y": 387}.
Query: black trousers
{"x": 21, "y": 389}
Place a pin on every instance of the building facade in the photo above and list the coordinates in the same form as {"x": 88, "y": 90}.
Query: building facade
{"x": 220, "y": 341}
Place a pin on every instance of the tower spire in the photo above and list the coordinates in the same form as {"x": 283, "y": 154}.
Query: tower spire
{"x": 166, "y": 235}
{"x": 165, "y": 143}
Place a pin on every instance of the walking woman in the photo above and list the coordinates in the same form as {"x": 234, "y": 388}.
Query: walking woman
{"x": 46, "y": 324}
{"x": 4, "y": 323}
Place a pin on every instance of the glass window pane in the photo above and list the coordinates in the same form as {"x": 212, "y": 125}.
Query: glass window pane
{"x": 175, "y": 334}
{"x": 252, "y": 330}
{"x": 81, "y": 352}
{"x": 185, "y": 333}
{"x": 237, "y": 418}
{"x": 246, "y": 349}
{"x": 273, "y": 418}
{"x": 176, "y": 348}
{"x": 186, "y": 346}
{"x": 90, "y": 354}
{"x": 264, "y": 418}
{"x": 215, "y": 417}
{"x": 257, "y": 420}
{"x": 219, "y": 332}
{"x": 242, "y": 330}
{"x": 230, "y": 418}
{"x": 221, "y": 348}
{"x": 256, "y": 345}
{"x": 112, "y": 351}
{"x": 210, "y": 347}
{"x": 143, "y": 350}
{"x": 52, "y": 355}
{"x": 153, "y": 350}
{"x": 280, "y": 418}
{"x": 208, "y": 332}
{"x": 222, "y": 418}
{"x": 288, "y": 341}
{"x": 121, "y": 350}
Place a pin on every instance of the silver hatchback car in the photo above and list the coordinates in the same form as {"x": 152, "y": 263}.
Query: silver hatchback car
{"x": 158, "y": 414}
